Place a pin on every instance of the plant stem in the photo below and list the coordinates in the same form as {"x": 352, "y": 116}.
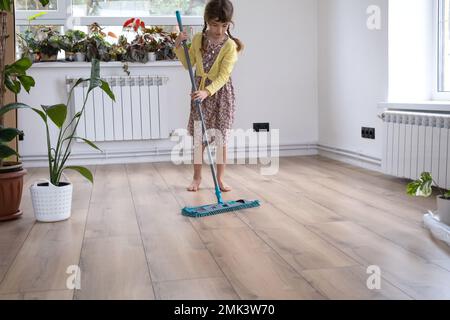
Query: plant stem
{"x": 3, "y": 36}
{"x": 66, "y": 152}
{"x": 60, "y": 143}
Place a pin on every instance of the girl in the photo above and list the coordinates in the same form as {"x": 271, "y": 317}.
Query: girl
{"x": 214, "y": 53}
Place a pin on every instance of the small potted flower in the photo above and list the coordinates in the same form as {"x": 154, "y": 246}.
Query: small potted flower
{"x": 49, "y": 41}
{"x": 28, "y": 46}
{"x": 72, "y": 42}
{"x": 423, "y": 187}
{"x": 97, "y": 45}
{"x": 137, "y": 50}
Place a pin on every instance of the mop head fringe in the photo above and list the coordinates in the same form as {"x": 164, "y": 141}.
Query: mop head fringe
{"x": 212, "y": 209}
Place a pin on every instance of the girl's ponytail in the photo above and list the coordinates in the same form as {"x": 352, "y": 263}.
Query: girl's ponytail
{"x": 203, "y": 48}
{"x": 240, "y": 45}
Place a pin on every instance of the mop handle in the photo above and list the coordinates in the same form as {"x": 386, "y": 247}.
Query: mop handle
{"x": 199, "y": 109}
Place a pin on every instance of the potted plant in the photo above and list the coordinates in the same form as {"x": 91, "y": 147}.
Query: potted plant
{"x": 80, "y": 48}
{"x": 152, "y": 45}
{"x": 423, "y": 187}
{"x": 48, "y": 42}
{"x": 13, "y": 77}
{"x": 28, "y": 45}
{"x": 137, "y": 50}
{"x": 72, "y": 42}
{"x": 27, "y": 42}
{"x": 167, "y": 45}
{"x": 52, "y": 199}
{"x": 97, "y": 46}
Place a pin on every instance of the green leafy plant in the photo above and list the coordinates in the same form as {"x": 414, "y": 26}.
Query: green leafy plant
{"x": 422, "y": 187}
{"x": 48, "y": 41}
{"x": 96, "y": 45}
{"x": 58, "y": 154}
{"x": 74, "y": 41}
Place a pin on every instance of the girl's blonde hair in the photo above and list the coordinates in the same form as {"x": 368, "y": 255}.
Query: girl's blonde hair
{"x": 221, "y": 11}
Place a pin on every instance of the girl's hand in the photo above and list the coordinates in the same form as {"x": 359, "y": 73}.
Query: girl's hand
{"x": 181, "y": 37}
{"x": 200, "y": 95}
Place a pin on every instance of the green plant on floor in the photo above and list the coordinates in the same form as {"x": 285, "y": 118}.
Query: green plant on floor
{"x": 422, "y": 187}
{"x": 59, "y": 154}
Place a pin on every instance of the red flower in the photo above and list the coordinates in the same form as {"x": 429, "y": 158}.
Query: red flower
{"x": 142, "y": 25}
{"x": 137, "y": 24}
{"x": 128, "y": 22}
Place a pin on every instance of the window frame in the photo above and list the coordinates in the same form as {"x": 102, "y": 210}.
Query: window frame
{"x": 63, "y": 16}
{"x": 438, "y": 63}
{"x": 59, "y": 14}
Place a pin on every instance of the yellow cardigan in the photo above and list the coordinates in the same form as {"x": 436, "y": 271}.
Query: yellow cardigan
{"x": 220, "y": 71}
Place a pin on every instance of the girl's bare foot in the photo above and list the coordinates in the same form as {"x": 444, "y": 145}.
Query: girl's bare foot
{"x": 195, "y": 185}
{"x": 224, "y": 187}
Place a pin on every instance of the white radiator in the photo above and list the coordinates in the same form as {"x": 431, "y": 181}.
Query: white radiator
{"x": 139, "y": 112}
{"x": 416, "y": 142}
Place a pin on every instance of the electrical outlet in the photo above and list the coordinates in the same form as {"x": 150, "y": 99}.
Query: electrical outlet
{"x": 368, "y": 133}
{"x": 257, "y": 127}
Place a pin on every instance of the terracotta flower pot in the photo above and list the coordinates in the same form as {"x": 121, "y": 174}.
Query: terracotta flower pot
{"x": 11, "y": 184}
{"x": 47, "y": 57}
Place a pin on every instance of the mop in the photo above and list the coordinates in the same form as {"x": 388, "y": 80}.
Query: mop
{"x": 221, "y": 206}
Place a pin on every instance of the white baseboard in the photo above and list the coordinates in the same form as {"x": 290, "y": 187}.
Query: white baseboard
{"x": 158, "y": 155}
{"x": 350, "y": 157}
{"x": 163, "y": 155}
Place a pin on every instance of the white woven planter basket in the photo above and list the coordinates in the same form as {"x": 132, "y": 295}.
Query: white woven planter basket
{"x": 51, "y": 203}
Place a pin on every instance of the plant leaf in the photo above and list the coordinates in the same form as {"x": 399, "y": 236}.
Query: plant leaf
{"x": 90, "y": 143}
{"x": 37, "y": 15}
{"x": 83, "y": 171}
{"x": 44, "y": 2}
{"x": 421, "y": 187}
{"x": 12, "y": 85}
{"x": 22, "y": 64}
{"x": 105, "y": 87}
{"x": 8, "y": 134}
{"x": 6, "y": 151}
{"x": 5, "y": 5}
{"x": 27, "y": 82}
{"x": 18, "y": 105}
{"x": 95, "y": 75}
{"x": 57, "y": 113}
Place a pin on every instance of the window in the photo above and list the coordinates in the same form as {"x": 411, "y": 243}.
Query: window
{"x": 73, "y": 13}
{"x": 443, "y": 54}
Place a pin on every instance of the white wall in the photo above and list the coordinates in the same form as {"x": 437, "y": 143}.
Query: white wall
{"x": 353, "y": 74}
{"x": 275, "y": 79}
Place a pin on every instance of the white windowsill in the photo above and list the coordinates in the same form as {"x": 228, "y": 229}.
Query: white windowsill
{"x": 441, "y": 106}
{"x": 111, "y": 64}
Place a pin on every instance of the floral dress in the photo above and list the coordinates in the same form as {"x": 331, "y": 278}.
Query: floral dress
{"x": 219, "y": 109}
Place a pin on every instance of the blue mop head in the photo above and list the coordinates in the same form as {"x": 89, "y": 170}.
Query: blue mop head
{"x": 212, "y": 209}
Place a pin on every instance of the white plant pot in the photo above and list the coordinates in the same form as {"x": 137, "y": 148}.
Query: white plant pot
{"x": 151, "y": 56}
{"x": 79, "y": 56}
{"x": 51, "y": 203}
{"x": 443, "y": 210}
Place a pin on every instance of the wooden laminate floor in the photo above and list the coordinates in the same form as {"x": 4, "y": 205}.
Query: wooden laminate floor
{"x": 321, "y": 224}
